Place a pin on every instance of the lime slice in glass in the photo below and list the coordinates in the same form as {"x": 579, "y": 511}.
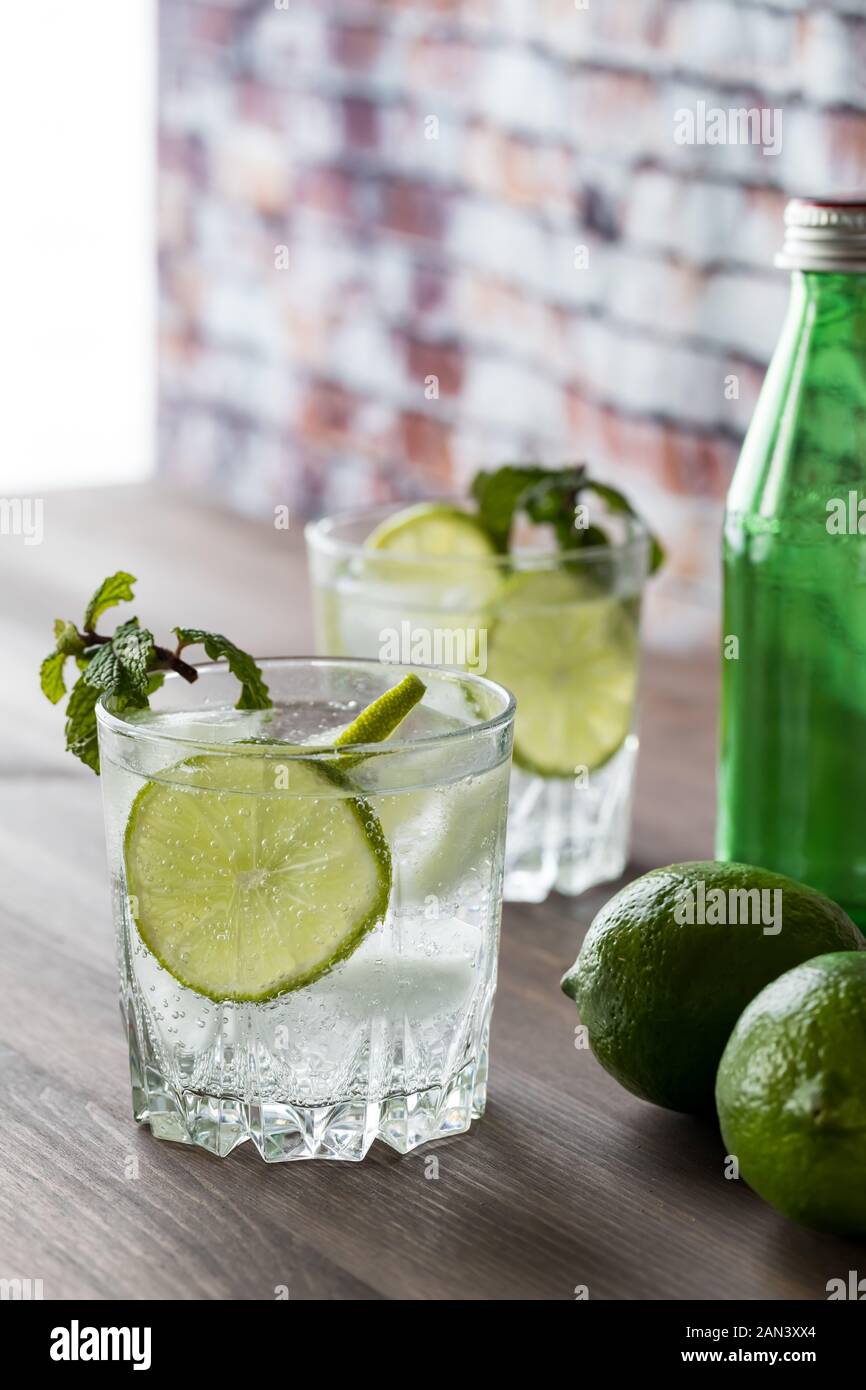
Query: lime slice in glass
{"x": 569, "y": 655}
{"x": 431, "y": 578}
{"x": 244, "y": 891}
{"x": 433, "y": 529}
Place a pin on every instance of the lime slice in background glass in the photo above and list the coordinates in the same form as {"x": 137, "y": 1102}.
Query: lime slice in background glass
{"x": 569, "y": 655}
{"x": 434, "y": 529}
{"x": 440, "y": 585}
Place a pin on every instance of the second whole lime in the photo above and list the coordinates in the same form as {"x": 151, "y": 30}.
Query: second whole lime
{"x": 791, "y": 1093}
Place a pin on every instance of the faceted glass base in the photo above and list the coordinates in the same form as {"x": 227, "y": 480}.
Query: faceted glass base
{"x": 285, "y": 1133}
{"x": 569, "y": 834}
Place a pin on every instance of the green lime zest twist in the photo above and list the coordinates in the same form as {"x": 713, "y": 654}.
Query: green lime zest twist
{"x": 379, "y": 720}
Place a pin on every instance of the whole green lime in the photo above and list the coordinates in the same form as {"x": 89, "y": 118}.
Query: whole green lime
{"x": 791, "y": 1093}
{"x": 669, "y": 964}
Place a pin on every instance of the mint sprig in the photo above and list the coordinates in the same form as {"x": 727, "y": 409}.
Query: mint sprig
{"x": 499, "y": 497}
{"x": 129, "y": 666}
{"x": 549, "y": 497}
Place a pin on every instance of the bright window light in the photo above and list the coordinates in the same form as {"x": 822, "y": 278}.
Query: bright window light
{"x": 77, "y": 279}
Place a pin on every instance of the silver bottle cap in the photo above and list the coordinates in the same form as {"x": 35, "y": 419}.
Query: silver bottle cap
{"x": 825, "y": 234}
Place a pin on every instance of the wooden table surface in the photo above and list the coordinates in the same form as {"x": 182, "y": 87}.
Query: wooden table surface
{"x": 567, "y": 1181}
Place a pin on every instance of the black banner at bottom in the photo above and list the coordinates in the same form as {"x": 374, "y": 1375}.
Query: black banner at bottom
{"x": 82, "y": 1338}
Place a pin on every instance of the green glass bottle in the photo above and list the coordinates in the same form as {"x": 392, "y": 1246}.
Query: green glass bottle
{"x": 792, "y": 787}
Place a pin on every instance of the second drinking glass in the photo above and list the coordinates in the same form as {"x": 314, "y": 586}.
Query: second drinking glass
{"x": 560, "y": 630}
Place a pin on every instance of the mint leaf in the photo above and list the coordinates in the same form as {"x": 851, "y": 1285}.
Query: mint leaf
{"x": 67, "y": 638}
{"x": 552, "y": 502}
{"x": 103, "y": 671}
{"x": 618, "y": 502}
{"x": 120, "y": 667}
{"x": 498, "y": 496}
{"x": 81, "y": 736}
{"x": 254, "y": 692}
{"x": 134, "y": 650}
{"x": 51, "y": 676}
{"x": 116, "y": 589}
{"x": 549, "y": 497}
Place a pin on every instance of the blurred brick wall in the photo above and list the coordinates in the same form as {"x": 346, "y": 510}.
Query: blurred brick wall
{"x": 358, "y": 197}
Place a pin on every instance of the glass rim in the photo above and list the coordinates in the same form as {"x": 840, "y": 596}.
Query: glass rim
{"x": 117, "y": 724}
{"x": 319, "y": 535}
